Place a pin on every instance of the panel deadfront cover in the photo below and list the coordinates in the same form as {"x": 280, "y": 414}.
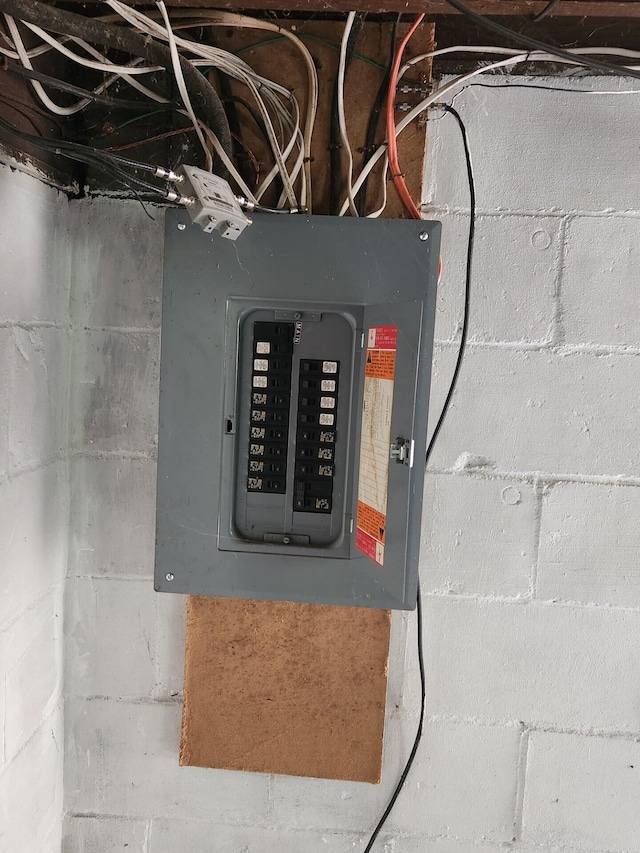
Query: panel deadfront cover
{"x": 294, "y": 393}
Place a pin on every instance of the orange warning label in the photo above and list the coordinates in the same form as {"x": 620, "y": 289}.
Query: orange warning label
{"x": 381, "y": 363}
{"x": 375, "y": 437}
{"x": 371, "y": 521}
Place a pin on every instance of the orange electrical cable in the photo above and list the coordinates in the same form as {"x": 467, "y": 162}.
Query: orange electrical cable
{"x": 392, "y": 147}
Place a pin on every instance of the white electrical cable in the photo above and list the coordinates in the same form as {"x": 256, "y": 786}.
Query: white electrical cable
{"x": 509, "y": 51}
{"x": 344, "y": 136}
{"x": 182, "y": 86}
{"x": 532, "y": 56}
{"x": 38, "y": 88}
{"x": 380, "y": 210}
{"x": 226, "y": 160}
{"x": 266, "y": 93}
{"x": 423, "y": 105}
{"x": 230, "y": 19}
{"x": 131, "y": 81}
{"x": 24, "y": 57}
{"x": 240, "y": 71}
{"x": 97, "y": 66}
{"x": 291, "y": 177}
{"x": 13, "y": 54}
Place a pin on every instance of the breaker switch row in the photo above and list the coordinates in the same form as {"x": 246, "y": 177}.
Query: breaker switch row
{"x": 270, "y": 405}
{"x": 316, "y": 435}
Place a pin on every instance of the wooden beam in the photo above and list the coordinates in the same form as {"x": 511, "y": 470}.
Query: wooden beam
{"x": 280, "y": 61}
{"x": 513, "y": 8}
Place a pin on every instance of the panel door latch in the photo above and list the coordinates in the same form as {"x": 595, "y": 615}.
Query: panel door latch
{"x": 402, "y": 451}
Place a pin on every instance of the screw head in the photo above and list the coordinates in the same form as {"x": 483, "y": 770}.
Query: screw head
{"x": 424, "y": 236}
{"x": 169, "y": 576}
{"x": 286, "y": 540}
{"x": 181, "y": 226}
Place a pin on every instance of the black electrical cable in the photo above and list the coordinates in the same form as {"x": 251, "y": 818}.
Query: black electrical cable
{"x": 535, "y": 44}
{"x": 257, "y": 118}
{"x": 119, "y": 174}
{"x": 467, "y": 284}
{"x": 335, "y": 139}
{"x": 551, "y": 5}
{"x": 434, "y": 436}
{"x": 204, "y": 97}
{"x": 62, "y": 86}
{"x": 372, "y": 126}
{"x": 418, "y": 737}
{"x": 226, "y": 93}
{"x": 262, "y": 209}
{"x": 125, "y": 161}
{"x": 84, "y": 154}
{"x": 82, "y": 150}
{"x": 532, "y": 86}
{"x": 253, "y": 112}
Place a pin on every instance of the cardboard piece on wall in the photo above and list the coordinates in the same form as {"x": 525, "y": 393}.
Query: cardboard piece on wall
{"x": 277, "y": 687}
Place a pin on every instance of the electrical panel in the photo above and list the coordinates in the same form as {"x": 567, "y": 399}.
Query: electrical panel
{"x": 294, "y": 392}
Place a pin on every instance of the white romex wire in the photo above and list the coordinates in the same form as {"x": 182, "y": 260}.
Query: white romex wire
{"x": 512, "y": 59}
{"x": 56, "y": 109}
{"x": 182, "y": 86}
{"x": 344, "y": 136}
{"x": 238, "y": 69}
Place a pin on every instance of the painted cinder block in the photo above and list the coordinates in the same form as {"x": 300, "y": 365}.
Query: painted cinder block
{"x": 39, "y": 402}
{"x": 102, "y": 834}
{"x": 479, "y": 536}
{"x": 582, "y": 791}
{"x": 514, "y": 278}
{"x": 115, "y": 391}
{"x": 463, "y": 781}
{"x": 31, "y": 662}
{"x": 124, "y": 761}
{"x": 540, "y": 411}
{"x": 113, "y": 508}
{"x": 589, "y": 544}
{"x": 111, "y": 638}
{"x": 599, "y": 292}
{"x": 178, "y": 836}
{"x": 538, "y": 151}
{"x": 33, "y": 537}
{"x": 117, "y": 256}
{"x": 540, "y": 663}
{"x": 34, "y": 235}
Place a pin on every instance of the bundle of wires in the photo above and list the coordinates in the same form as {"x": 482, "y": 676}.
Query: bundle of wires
{"x": 155, "y": 46}
{"x": 388, "y": 151}
{"x": 158, "y": 45}
{"x": 119, "y": 168}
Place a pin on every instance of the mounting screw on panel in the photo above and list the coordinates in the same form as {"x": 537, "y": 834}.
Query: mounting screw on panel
{"x": 423, "y": 235}
{"x": 181, "y": 226}
{"x": 169, "y": 576}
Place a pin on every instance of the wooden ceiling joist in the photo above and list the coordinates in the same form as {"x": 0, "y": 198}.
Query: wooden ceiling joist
{"x": 510, "y": 8}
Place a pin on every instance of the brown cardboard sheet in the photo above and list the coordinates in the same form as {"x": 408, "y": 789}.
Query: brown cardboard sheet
{"x": 276, "y": 687}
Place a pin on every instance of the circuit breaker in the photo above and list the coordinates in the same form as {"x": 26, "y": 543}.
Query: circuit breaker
{"x": 294, "y": 392}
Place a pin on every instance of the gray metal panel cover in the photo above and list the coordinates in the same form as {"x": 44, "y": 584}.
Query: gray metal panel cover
{"x": 376, "y": 265}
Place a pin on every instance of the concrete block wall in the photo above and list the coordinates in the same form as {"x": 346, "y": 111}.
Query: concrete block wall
{"x": 529, "y": 567}
{"x": 34, "y": 508}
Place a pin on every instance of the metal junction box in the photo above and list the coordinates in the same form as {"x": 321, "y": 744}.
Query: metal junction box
{"x": 294, "y": 392}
